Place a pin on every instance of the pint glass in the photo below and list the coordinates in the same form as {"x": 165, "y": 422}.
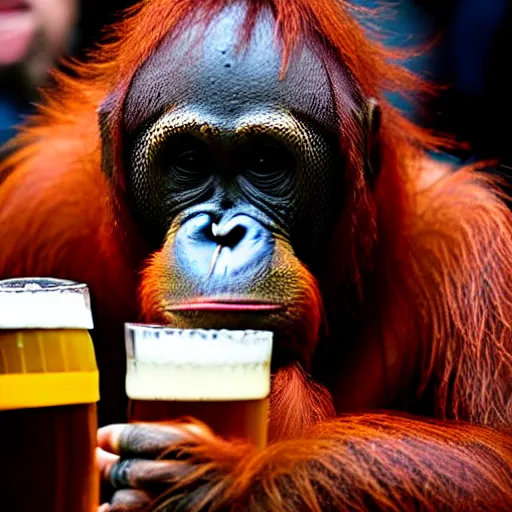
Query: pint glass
{"x": 219, "y": 377}
{"x": 48, "y": 394}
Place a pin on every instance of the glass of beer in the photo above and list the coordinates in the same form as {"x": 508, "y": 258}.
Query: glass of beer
{"x": 49, "y": 387}
{"x": 220, "y": 377}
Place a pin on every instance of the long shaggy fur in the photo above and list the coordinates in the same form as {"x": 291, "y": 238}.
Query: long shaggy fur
{"x": 429, "y": 250}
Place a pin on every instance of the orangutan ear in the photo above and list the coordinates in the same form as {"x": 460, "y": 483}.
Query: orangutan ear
{"x": 109, "y": 124}
{"x": 371, "y": 123}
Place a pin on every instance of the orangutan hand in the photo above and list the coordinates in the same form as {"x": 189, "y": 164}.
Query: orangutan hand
{"x": 176, "y": 466}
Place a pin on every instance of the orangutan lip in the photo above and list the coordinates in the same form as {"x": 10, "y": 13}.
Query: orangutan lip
{"x": 226, "y": 306}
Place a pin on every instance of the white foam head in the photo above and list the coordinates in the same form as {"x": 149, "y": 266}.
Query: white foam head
{"x": 195, "y": 364}
{"x": 44, "y": 303}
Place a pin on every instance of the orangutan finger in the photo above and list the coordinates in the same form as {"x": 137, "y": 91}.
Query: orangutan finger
{"x": 144, "y": 440}
{"x": 148, "y": 474}
{"x": 129, "y": 500}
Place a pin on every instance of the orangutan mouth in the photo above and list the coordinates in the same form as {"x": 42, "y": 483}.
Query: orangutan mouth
{"x": 226, "y": 305}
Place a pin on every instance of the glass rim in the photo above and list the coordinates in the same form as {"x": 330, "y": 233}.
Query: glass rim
{"x": 44, "y": 303}
{"x": 164, "y": 345}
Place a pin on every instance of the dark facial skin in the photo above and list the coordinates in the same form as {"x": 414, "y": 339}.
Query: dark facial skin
{"x": 233, "y": 173}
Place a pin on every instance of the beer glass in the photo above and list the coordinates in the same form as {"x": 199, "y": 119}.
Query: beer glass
{"x": 220, "y": 377}
{"x": 48, "y": 393}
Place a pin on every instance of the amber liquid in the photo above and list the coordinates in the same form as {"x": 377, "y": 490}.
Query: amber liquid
{"x": 48, "y": 451}
{"x": 48, "y": 460}
{"x": 240, "y": 419}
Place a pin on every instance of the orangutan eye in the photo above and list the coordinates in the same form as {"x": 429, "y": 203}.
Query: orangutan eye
{"x": 189, "y": 161}
{"x": 187, "y": 156}
{"x": 269, "y": 167}
{"x": 186, "y": 159}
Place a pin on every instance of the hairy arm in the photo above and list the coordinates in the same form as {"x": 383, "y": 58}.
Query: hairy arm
{"x": 383, "y": 462}
{"x": 357, "y": 463}
{"x": 462, "y": 246}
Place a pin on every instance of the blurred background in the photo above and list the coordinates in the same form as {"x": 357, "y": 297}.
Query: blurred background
{"x": 466, "y": 44}
{"x": 471, "y": 40}
{"x": 34, "y": 35}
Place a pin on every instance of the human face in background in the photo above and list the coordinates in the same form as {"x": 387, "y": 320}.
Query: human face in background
{"x": 34, "y": 34}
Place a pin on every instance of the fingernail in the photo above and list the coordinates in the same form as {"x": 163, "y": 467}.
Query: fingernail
{"x": 108, "y": 437}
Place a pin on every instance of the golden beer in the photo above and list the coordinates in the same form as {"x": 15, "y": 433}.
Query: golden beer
{"x": 49, "y": 387}
{"x": 219, "y": 377}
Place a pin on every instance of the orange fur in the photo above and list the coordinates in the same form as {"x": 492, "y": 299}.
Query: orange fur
{"x": 429, "y": 251}
{"x": 354, "y": 463}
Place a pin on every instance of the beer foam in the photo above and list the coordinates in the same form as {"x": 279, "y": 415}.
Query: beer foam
{"x": 44, "y": 303}
{"x": 196, "y": 364}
